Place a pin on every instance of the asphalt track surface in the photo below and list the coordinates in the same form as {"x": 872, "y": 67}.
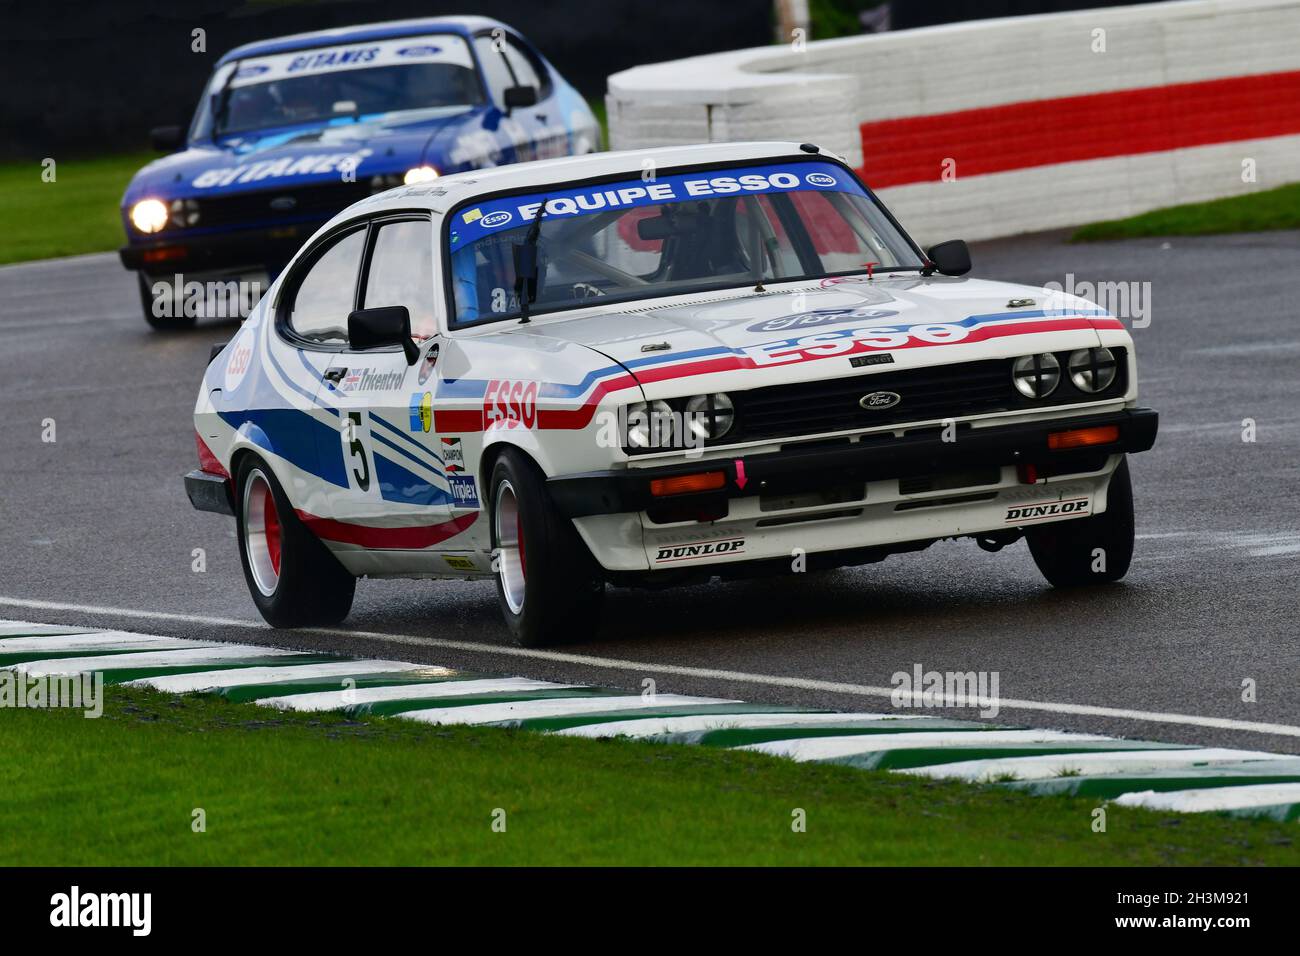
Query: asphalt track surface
{"x": 95, "y": 528}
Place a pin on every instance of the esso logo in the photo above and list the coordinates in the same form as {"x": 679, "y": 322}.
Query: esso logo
{"x": 820, "y": 179}
{"x": 494, "y": 219}
{"x": 511, "y": 403}
{"x": 241, "y": 358}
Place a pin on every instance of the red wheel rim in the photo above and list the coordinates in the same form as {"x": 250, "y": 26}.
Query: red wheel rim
{"x": 272, "y": 523}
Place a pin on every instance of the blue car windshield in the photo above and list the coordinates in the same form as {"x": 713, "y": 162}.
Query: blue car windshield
{"x": 624, "y": 241}
{"x": 340, "y": 84}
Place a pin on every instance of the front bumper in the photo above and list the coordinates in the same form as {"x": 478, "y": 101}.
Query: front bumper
{"x": 807, "y": 467}
{"x": 169, "y": 253}
{"x": 209, "y": 493}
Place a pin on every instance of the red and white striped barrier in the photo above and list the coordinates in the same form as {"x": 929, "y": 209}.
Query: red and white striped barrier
{"x": 998, "y": 127}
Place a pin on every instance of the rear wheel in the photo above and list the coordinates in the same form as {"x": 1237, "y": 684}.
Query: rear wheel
{"x": 292, "y": 577}
{"x": 548, "y": 585}
{"x": 1094, "y": 550}
{"x": 173, "y": 317}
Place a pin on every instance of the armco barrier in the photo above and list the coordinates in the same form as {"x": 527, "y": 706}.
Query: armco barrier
{"x": 998, "y": 127}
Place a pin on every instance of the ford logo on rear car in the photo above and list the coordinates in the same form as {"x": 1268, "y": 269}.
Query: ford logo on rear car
{"x": 879, "y": 400}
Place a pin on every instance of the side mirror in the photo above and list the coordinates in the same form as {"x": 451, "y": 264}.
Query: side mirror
{"x": 388, "y": 325}
{"x": 951, "y": 258}
{"x": 519, "y": 96}
{"x": 166, "y": 139}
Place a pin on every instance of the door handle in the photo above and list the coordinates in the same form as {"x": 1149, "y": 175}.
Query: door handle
{"x": 335, "y": 375}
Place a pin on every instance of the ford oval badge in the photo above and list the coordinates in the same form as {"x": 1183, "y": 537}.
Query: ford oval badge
{"x": 877, "y": 401}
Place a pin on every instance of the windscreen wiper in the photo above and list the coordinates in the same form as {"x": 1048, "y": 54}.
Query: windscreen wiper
{"x": 525, "y": 256}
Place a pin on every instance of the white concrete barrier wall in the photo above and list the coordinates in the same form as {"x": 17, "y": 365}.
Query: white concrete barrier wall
{"x": 998, "y": 127}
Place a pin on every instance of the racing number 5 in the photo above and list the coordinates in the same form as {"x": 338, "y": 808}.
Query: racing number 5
{"x": 357, "y": 449}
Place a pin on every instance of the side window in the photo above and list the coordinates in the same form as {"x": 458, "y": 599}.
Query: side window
{"x": 528, "y": 72}
{"x": 495, "y": 70}
{"x": 401, "y": 272}
{"x": 324, "y": 297}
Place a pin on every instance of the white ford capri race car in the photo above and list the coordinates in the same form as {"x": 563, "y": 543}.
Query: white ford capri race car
{"x": 573, "y": 373}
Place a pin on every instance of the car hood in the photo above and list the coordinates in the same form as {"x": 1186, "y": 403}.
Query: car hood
{"x": 787, "y": 335}
{"x": 298, "y": 156}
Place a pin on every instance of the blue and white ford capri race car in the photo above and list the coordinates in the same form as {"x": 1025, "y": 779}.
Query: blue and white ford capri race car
{"x": 292, "y": 130}
{"x": 648, "y": 368}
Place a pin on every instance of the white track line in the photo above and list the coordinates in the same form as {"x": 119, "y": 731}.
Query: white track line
{"x": 649, "y": 667}
{"x": 559, "y": 707}
{"x": 1209, "y": 799}
{"x": 8, "y": 628}
{"x": 101, "y": 641}
{"x": 1092, "y": 764}
{"x": 121, "y": 662}
{"x": 662, "y": 726}
{"x": 335, "y": 699}
{"x": 832, "y": 748}
{"x": 241, "y": 676}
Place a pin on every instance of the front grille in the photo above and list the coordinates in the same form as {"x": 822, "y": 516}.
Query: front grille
{"x": 303, "y": 202}
{"x": 926, "y": 394}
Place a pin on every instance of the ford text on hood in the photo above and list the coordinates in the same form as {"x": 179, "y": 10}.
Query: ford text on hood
{"x": 291, "y": 131}
{"x": 738, "y": 365}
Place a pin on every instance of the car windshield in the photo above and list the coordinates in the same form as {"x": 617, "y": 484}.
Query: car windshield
{"x": 641, "y": 239}
{"x": 340, "y": 84}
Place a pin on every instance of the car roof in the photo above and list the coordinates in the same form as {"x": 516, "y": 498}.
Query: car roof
{"x": 464, "y": 25}
{"x": 447, "y": 191}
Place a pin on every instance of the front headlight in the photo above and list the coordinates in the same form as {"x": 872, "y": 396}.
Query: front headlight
{"x": 648, "y": 425}
{"x": 184, "y": 212}
{"x": 709, "y": 417}
{"x": 1092, "y": 370}
{"x": 419, "y": 174}
{"x": 149, "y": 215}
{"x": 1036, "y": 376}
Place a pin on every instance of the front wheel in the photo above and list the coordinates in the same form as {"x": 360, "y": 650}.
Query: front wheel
{"x": 292, "y": 577}
{"x": 166, "y": 313}
{"x": 548, "y": 585}
{"x": 1094, "y": 550}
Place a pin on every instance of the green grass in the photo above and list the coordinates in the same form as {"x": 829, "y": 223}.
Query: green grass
{"x": 308, "y": 789}
{"x": 76, "y": 213}
{"x": 1254, "y": 212}
{"x": 601, "y": 112}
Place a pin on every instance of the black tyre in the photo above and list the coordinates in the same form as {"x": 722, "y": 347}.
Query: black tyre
{"x": 293, "y": 578}
{"x": 548, "y": 585}
{"x": 1094, "y": 550}
{"x": 176, "y": 322}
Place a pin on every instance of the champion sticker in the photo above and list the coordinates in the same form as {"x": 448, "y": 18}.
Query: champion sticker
{"x": 453, "y": 456}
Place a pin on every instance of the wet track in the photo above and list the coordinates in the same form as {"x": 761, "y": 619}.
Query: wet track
{"x": 98, "y": 520}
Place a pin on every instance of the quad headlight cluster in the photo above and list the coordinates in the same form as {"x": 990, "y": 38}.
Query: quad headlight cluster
{"x": 677, "y": 423}
{"x": 1090, "y": 371}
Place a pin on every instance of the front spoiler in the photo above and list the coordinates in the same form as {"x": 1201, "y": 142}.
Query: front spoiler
{"x": 875, "y": 458}
{"x": 209, "y": 493}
